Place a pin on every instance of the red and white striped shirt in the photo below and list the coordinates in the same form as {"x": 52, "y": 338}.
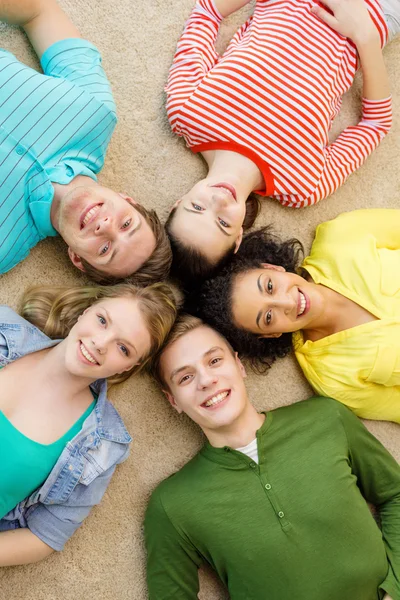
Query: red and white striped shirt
{"x": 273, "y": 95}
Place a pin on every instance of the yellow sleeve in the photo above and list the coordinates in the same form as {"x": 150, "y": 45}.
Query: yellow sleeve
{"x": 383, "y": 224}
{"x": 373, "y": 401}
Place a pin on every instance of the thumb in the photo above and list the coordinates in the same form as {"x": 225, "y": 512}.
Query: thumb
{"x": 324, "y": 15}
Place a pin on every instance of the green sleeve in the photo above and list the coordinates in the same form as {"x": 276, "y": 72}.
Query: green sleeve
{"x": 172, "y": 561}
{"x": 378, "y": 477}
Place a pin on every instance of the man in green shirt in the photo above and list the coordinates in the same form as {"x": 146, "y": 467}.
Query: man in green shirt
{"x": 275, "y": 503}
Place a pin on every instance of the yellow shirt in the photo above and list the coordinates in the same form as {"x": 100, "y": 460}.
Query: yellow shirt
{"x": 358, "y": 255}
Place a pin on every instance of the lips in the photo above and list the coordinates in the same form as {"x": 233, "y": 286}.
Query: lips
{"x": 216, "y": 399}
{"x": 89, "y": 214}
{"x": 86, "y": 356}
{"x": 228, "y": 187}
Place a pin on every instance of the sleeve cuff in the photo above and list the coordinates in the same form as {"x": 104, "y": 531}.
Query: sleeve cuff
{"x": 63, "y": 45}
{"x": 210, "y": 8}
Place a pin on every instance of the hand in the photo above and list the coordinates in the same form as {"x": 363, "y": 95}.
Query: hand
{"x": 19, "y": 12}
{"x": 350, "y": 18}
{"x": 387, "y": 597}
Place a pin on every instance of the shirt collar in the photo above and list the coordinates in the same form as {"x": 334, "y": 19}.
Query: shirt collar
{"x": 228, "y": 456}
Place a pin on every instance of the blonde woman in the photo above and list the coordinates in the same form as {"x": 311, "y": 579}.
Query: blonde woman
{"x": 60, "y": 438}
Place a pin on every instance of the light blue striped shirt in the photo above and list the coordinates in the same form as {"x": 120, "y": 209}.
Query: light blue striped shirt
{"x": 53, "y": 127}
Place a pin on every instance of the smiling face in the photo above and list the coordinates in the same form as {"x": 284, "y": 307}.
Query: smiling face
{"x": 205, "y": 379}
{"x": 269, "y": 301}
{"x": 110, "y": 337}
{"x": 104, "y": 228}
{"x": 210, "y": 218}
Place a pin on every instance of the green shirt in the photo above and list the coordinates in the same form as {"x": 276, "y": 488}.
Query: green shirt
{"x": 296, "y": 526}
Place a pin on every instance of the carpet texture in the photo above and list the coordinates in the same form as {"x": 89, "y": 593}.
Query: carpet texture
{"x": 105, "y": 559}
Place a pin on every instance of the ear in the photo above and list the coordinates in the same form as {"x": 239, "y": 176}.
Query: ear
{"x": 240, "y": 365}
{"x": 127, "y": 198}
{"x": 75, "y": 259}
{"x": 270, "y": 335}
{"x": 172, "y": 402}
{"x": 238, "y": 240}
{"x": 273, "y": 267}
{"x": 127, "y": 368}
{"x": 175, "y": 205}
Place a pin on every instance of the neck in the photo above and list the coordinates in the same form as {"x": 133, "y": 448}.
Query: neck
{"x": 238, "y": 433}
{"x": 53, "y": 374}
{"x": 236, "y": 169}
{"x": 61, "y": 191}
{"x": 326, "y": 322}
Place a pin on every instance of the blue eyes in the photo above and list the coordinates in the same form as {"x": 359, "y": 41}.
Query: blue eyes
{"x": 103, "y": 323}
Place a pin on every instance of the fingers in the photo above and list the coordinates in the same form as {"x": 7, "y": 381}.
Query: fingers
{"x": 324, "y": 15}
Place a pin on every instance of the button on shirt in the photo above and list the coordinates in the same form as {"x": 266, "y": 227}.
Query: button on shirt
{"x": 53, "y": 127}
{"x": 295, "y": 526}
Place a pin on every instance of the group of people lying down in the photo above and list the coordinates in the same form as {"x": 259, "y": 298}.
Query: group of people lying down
{"x": 277, "y": 503}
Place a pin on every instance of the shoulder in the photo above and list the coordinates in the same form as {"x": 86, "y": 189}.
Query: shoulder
{"x": 178, "y": 488}
{"x": 318, "y": 409}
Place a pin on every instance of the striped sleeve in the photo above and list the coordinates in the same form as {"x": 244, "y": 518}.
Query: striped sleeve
{"x": 79, "y": 62}
{"x": 351, "y": 148}
{"x": 194, "y": 57}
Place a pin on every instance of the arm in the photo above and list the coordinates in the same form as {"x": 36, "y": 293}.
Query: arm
{"x": 378, "y": 477}
{"x": 172, "y": 562}
{"x": 351, "y": 19}
{"x": 20, "y": 547}
{"x": 195, "y": 56}
{"x": 383, "y": 224}
{"x": 44, "y": 21}
{"x": 228, "y": 7}
{"x": 54, "y": 524}
{"x": 351, "y": 148}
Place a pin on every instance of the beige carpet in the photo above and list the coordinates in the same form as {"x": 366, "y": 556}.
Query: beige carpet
{"x": 105, "y": 558}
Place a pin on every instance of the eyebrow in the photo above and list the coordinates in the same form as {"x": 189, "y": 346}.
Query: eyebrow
{"x": 197, "y": 212}
{"x": 116, "y": 250}
{"x": 180, "y": 369}
{"x": 261, "y": 291}
{"x": 131, "y": 344}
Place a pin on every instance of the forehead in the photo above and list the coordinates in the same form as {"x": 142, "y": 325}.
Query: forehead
{"x": 124, "y": 312}
{"x": 190, "y": 348}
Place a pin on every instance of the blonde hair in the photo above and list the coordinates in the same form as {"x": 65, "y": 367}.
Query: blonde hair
{"x": 55, "y": 310}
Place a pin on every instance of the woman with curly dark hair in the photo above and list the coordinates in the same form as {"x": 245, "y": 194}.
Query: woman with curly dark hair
{"x": 342, "y": 314}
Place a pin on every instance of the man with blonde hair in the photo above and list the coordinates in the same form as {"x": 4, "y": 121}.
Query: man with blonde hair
{"x": 275, "y": 502}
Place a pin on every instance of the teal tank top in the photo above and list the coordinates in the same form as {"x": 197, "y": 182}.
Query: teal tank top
{"x": 26, "y": 464}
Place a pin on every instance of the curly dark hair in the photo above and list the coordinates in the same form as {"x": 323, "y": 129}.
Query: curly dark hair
{"x": 213, "y": 303}
{"x": 190, "y": 266}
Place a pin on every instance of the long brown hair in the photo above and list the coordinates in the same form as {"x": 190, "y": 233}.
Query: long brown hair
{"x": 55, "y": 310}
{"x": 190, "y": 265}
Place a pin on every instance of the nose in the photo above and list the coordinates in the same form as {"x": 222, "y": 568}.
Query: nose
{"x": 220, "y": 200}
{"x": 206, "y": 378}
{"x": 103, "y": 225}
{"x": 287, "y": 304}
{"x": 99, "y": 344}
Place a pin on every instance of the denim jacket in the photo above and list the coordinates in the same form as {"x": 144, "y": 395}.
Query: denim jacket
{"x": 83, "y": 471}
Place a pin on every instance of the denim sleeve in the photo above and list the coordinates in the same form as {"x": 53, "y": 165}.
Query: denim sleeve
{"x": 79, "y": 62}
{"x": 7, "y": 317}
{"x": 54, "y": 524}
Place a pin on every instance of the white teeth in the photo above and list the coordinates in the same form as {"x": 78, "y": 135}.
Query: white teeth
{"x": 90, "y": 214}
{"x": 88, "y": 356}
{"x": 303, "y": 304}
{"x": 216, "y": 399}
